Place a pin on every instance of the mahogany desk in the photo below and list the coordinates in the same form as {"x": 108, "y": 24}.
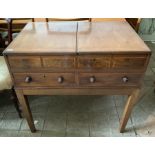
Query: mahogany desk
{"x": 77, "y": 58}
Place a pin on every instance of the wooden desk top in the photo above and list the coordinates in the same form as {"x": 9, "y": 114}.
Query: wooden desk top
{"x": 62, "y": 37}
{"x": 39, "y": 37}
{"x": 109, "y": 36}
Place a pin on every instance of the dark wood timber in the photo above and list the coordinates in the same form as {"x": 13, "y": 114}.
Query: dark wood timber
{"x": 78, "y": 58}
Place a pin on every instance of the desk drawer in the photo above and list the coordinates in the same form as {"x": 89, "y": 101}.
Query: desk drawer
{"x": 127, "y": 62}
{"x": 24, "y": 62}
{"x": 114, "y": 63}
{"x": 44, "y": 79}
{"x": 59, "y": 62}
{"x": 94, "y": 62}
{"x": 111, "y": 79}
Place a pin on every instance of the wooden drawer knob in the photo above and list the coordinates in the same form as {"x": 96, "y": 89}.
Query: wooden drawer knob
{"x": 28, "y": 79}
{"x": 92, "y": 79}
{"x": 60, "y": 79}
{"x": 125, "y": 79}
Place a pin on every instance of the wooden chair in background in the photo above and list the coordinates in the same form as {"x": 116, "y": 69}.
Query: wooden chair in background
{"x": 68, "y": 19}
{"x": 9, "y": 26}
{"x": 7, "y": 29}
{"x": 6, "y": 84}
{"x": 134, "y": 22}
{"x": 2, "y": 43}
{"x": 4, "y": 30}
{"x": 15, "y": 25}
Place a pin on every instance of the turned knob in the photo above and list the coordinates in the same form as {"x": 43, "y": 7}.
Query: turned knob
{"x": 92, "y": 79}
{"x": 125, "y": 79}
{"x": 60, "y": 79}
{"x": 28, "y": 79}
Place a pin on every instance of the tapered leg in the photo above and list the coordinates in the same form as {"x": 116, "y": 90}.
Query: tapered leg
{"x": 132, "y": 99}
{"x": 26, "y": 109}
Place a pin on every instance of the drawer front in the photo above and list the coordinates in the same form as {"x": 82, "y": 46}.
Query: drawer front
{"x": 129, "y": 62}
{"x": 59, "y": 62}
{"x": 94, "y": 62}
{"x": 113, "y": 63}
{"x": 111, "y": 79}
{"x": 44, "y": 79}
{"x": 24, "y": 62}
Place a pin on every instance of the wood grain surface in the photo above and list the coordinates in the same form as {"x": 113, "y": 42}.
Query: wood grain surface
{"x": 112, "y": 36}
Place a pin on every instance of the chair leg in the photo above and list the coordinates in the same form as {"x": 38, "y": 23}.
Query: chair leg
{"x": 2, "y": 42}
{"x": 16, "y": 103}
